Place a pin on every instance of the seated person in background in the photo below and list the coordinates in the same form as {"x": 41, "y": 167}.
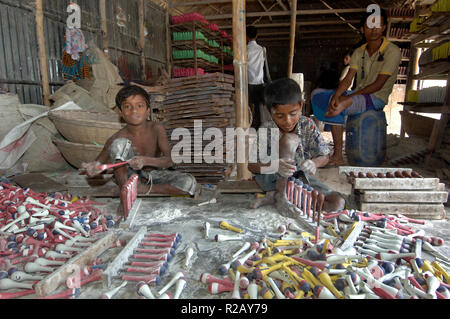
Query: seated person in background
{"x": 148, "y": 140}
{"x": 347, "y": 60}
{"x": 375, "y": 65}
{"x": 301, "y": 147}
{"x": 329, "y": 78}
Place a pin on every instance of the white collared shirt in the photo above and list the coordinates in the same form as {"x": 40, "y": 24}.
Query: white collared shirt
{"x": 255, "y": 63}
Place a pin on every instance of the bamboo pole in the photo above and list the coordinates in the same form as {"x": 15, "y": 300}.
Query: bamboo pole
{"x": 142, "y": 37}
{"x": 241, "y": 81}
{"x": 168, "y": 39}
{"x": 104, "y": 27}
{"x": 42, "y": 52}
{"x": 292, "y": 36}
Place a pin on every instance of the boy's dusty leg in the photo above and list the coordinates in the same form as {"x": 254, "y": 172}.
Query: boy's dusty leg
{"x": 337, "y": 158}
{"x": 288, "y": 146}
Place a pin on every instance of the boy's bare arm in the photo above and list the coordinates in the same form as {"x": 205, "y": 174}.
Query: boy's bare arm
{"x": 374, "y": 87}
{"x": 91, "y": 168}
{"x": 165, "y": 161}
{"x": 346, "y": 82}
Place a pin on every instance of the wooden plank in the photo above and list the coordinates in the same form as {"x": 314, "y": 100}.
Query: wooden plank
{"x": 122, "y": 257}
{"x": 39, "y": 183}
{"x": 128, "y": 223}
{"x": 292, "y": 37}
{"x": 232, "y": 187}
{"x": 396, "y": 183}
{"x": 109, "y": 190}
{"x": 404, "y": 197}
{"x": 374, "y": 170}
{"x": 286, "y": 13}
{"x": 51, "y": 282}
{"x": 43, "y": 66}
{"x": 423, "y": 210}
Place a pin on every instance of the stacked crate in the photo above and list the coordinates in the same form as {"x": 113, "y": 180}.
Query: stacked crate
{"x": 210, "y": 99}
{"x": 396, "y": 191}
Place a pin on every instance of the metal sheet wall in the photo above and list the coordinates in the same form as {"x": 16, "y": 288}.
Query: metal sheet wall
{"x": 123, "y": 37}
{"x": 19, "y": 64}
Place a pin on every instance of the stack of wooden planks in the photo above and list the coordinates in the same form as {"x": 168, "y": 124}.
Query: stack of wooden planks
{"x": 396, "y": 191}
{"x": 197, "y": 104}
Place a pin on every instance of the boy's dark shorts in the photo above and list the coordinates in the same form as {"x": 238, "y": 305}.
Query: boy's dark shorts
{"x": 182, "y": 181}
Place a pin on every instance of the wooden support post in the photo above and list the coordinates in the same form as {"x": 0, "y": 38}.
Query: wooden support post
{"x": 142, "y": 37}
{"x": 411, "y": 83}
{"x": 241, "y": 81}
{"x": 292, "y": 36}
{"x": 42, "y": 52}
{"x": 104, "y": 27}
{"x": 168, "y": 40}
{"x": 439, "y": 128}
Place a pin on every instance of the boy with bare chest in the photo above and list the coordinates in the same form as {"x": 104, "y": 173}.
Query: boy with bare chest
{"x": 145, "y": 146}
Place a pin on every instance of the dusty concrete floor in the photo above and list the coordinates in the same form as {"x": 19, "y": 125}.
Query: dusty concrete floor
{"x": 183, "y": 215}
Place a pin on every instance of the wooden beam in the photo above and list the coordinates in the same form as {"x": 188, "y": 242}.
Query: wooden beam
{"x": 331, "y": 36}
{"x": 270, "y": 18}
{"x": 316, "y": 37}
{"x": 104, "y": 27}
{"x": 42, "y": 52}
{"x": 287, "y": 24}
{"x": 282, "y": 5}
{"x": 241, "y": 81}
{"x": 201, "y": 3}
{"x": 265, "y": 9}
{"x": 318, "y": 30}
{"x": 275, "y": 39}
{"x": 337, "y": 14}
{"x": 269, "y": 34}
{"x": 286, "y": 13}
{"x": 142, "y": 37}
{"x": 292, "y": 37}
{"x": 301, "y": 31}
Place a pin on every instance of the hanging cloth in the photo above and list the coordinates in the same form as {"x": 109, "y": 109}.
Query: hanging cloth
{"x": 75, "y": 43}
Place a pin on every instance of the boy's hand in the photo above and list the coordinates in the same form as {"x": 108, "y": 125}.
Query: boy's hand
{"x": 137, "y": 162}
{"x": 91, "y": 168}
{"x": 309, "y": 166}
{"x": 286, "y": 167}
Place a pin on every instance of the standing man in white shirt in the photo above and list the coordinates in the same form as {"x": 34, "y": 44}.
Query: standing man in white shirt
{"x": 256, "y": 61}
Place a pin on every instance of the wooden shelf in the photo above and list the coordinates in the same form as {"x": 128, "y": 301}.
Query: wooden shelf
{"x": 202, "y": 45}
{"x": 401, "y": 19}
{"x": 398, "y": 39}
{"x": 436, "y": 18}
{"x": 436, "y": 29}
{"x": 437, "y": 70}
{"x": 193, "y": 26}
{"x": 436, "y": 33}
{"x": 189, "y": 27}
{"x": 425, "y": 107}
{"x": 206, "y": 65}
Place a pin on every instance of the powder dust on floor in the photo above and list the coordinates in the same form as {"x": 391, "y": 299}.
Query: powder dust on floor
{"x": 183, "y": 215}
